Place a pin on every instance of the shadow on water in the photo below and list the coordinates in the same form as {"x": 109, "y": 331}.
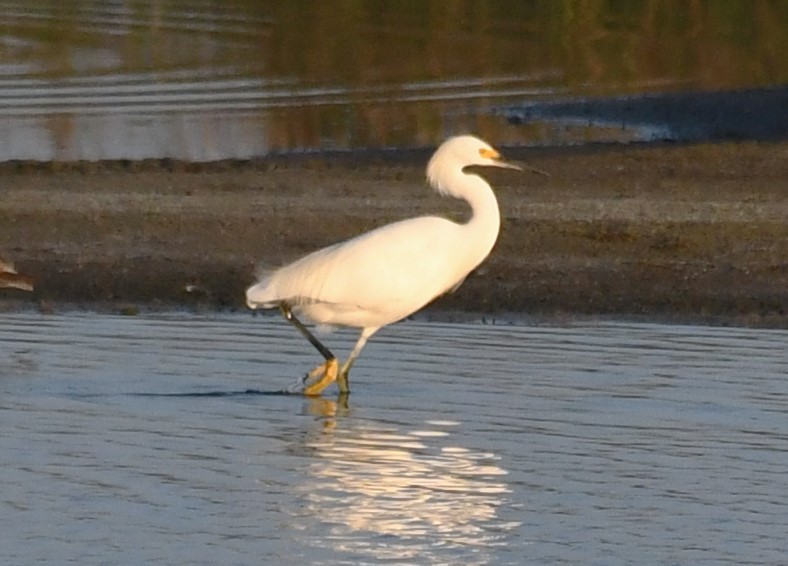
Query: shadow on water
{"x": 318, "y": 405}
{"x": 217, "y": 394}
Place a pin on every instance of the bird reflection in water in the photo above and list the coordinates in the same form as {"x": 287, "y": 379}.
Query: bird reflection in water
{"x": 418, "y": 493}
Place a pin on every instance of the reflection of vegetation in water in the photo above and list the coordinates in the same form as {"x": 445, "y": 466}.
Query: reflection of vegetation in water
{"x": 458, "y": 56}
{"x": 587, "y": 46}
{"x": 712, "y": 42}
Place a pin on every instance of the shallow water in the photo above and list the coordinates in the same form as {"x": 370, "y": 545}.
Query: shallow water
{"x": 201, "y": 80}
{"x": 159, "y": 439}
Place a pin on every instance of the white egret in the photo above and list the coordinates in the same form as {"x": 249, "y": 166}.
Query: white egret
{"x": 383, "y": 276}
{"x": 10, "y": 278}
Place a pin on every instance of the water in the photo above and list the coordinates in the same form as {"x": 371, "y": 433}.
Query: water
{"x": 158, "y": 439}
{"x": 201, "y": 80}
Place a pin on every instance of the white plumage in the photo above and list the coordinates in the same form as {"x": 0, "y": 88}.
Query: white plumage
{"x": 385, "y": 275}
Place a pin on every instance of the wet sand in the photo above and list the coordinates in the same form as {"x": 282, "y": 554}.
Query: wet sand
{"x": 689, "y": 233}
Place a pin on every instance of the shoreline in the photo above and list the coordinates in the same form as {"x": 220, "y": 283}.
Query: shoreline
{"x": 432, "y": 314}
{"x": 695, "y": 233}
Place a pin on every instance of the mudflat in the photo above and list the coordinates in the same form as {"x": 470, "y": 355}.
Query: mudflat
{"x": 689, "y": 233}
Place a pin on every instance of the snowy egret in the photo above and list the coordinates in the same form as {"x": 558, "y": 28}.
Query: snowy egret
{"x": 383, "y": 276}
{"x": 10, "y": 278}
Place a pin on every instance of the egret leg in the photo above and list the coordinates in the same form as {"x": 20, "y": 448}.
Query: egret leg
{"x": 342, "y": 379}
{"x": 323, "y": 375}
{"x": 288, "y": 314}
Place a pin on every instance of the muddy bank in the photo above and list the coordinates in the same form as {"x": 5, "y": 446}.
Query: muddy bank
{"x": 691, "y": 233}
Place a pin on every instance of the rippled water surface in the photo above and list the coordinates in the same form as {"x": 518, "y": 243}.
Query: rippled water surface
{"x": 202, "y": 80}
{"x": 160, "y": 439}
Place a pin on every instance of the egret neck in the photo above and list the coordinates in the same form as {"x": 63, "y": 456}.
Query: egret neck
{"x": 485, "y": 222}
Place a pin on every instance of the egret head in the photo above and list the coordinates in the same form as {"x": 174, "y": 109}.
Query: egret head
{"x": 457, "y": 153}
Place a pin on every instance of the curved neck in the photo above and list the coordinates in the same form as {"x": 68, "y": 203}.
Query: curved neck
{"x": 485, "y": 221}
{"x": 480, "y": 232}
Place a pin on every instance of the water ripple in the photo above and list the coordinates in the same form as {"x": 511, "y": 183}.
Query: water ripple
{"x": 155, "y": 438}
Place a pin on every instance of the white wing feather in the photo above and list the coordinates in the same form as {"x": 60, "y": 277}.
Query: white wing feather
{"x": 389, "y": 272}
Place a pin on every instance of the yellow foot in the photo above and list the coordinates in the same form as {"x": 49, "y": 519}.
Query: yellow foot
{"x": 319, "y": 378}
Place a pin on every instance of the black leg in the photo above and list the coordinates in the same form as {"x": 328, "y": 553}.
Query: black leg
{"x": 288, "y": 314}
